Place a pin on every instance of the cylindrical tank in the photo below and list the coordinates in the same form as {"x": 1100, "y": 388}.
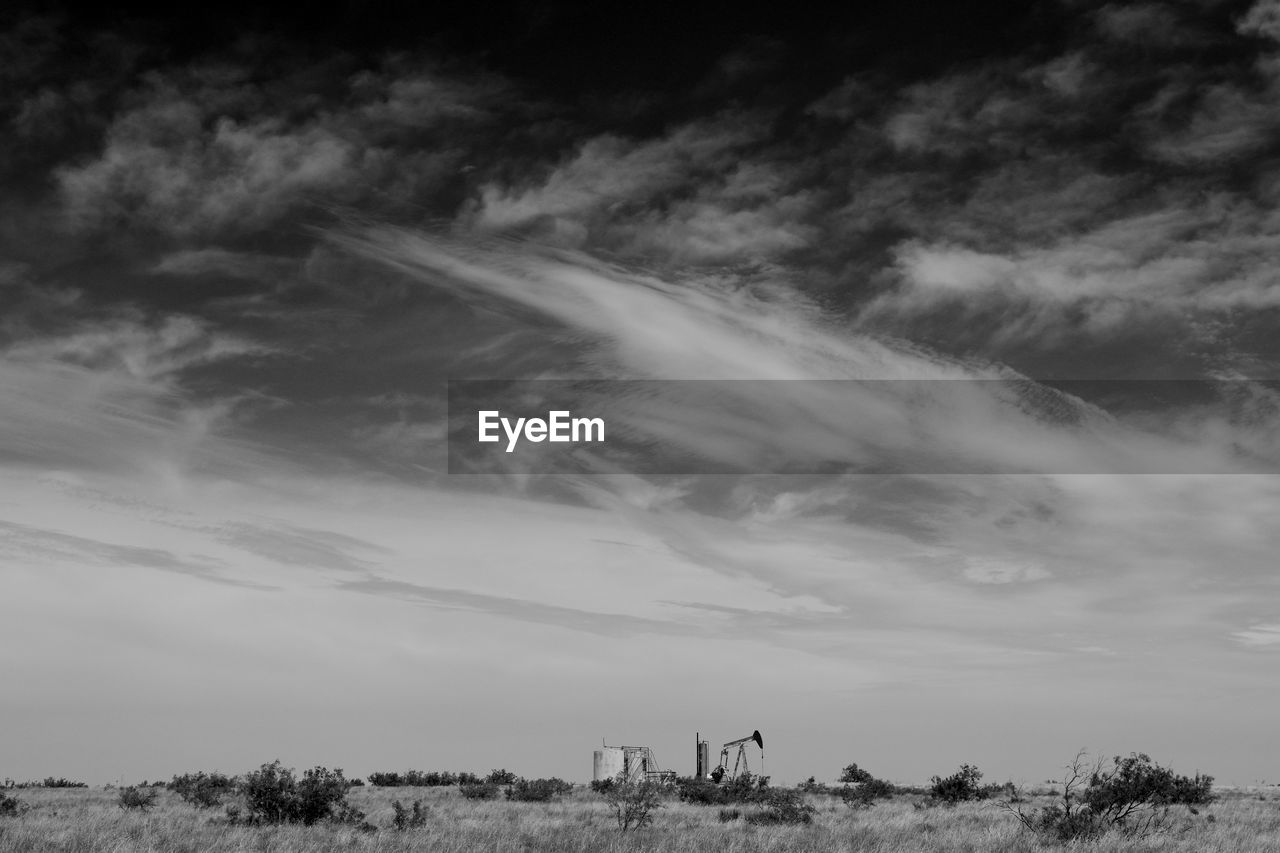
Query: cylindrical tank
{"x": 607, "y": 763}
{"x": 704, "y": 760}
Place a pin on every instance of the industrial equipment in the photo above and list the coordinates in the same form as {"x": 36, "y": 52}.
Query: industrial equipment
{"x": 719, "y": 773}
{"x": 702, "y": 761}
{"x": 629, "y": 764}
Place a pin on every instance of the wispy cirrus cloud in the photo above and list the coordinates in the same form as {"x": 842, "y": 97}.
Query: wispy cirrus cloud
{"x": 1259, "y": 636}
{"x": 107, "y": 394}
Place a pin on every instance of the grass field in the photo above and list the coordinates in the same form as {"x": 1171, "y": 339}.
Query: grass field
{"x": 85, "y": 820}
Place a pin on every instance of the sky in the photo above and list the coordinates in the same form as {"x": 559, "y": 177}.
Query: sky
{"x": 243, "y": 253}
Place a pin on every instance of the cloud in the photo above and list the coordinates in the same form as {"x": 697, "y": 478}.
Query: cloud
{"x": 1154, "y": 268}
{"x": 1147, "y": 24}
{"x": 233, "y": 177}
{"x": 108, "y": 395}
{"x": 144, "y": 351}
{"x": 626, "y": 194}
{"x": 572, "y": 619}
{"x": 204, "y": 152}
{"x": 1262, "y": 19}
{"x": 292, "y": 546}
{"x": 642, "y": 327}
{"x": 222, "y": 262}
{"x": 1259, "y": 636}
{"x": 1097, "y": 207}
{"x": 22, "y": 543}
{"x": 984, "y": 570}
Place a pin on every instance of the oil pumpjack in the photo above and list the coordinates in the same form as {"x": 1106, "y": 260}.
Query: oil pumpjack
{"x": 722, "y": 770}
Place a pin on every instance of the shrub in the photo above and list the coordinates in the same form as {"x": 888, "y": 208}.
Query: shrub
{"x": 700, "y": 792}
{"x": 203, "y": 790}
{"x": 348, "y": 815}
{"x": 420, "y": 779}
{"x": 1138, "y": 779}
{"x": 961, "y": 785}
{"x": 854, "y": 773}
{"x": 1132, "y": 796}
{"x": 633, "y": 803}
{"x": 538, "y": 790}
{"x": 727, "y": 815}
{"x": 11, "y": 806}
{"x": 783, "y": 806}
{"x": 478, "y": 790}
{"x": 320, "y": 792}
{"x": 744, "y": 789}
{"x": 136, "y": 797}
{"x": 501, "y": 777}
{"x": 602, "y": 786}
{"x": 813, "y": 786}
{"x": 866, "y": 793}
{"x": 49, "y": 782}
{"x": 273, "y": 795}
{"x": 406, "y": 819}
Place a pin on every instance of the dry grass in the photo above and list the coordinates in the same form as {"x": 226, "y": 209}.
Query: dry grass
{"x": 83, "y": 820}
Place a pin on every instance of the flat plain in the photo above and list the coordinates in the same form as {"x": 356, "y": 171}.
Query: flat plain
{"x": 90, "y": 820}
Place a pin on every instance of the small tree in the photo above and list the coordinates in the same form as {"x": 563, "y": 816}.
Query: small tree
{"x": 274, "y": 795}
{"x": 961, "y": 785}
{"x": 136, "y": 797}
{"x": 203, "y": 790}
{"x": 633, "y": 803}
{"x": 854, "y": 773}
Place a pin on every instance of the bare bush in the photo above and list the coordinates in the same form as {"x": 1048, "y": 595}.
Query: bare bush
{"x": 1133, "y": 796}
{"x": 633, "y": 803}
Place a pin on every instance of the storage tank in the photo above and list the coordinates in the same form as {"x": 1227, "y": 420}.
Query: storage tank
{"x": 609, "y": 762}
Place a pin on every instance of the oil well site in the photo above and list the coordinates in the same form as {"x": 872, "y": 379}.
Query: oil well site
{"x": 640, "y": 764}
